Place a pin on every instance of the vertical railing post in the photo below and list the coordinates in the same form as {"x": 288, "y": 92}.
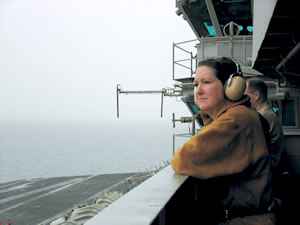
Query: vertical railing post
{"x": 173, "y": 144}
{"x": 191, "y": 64}
{"x": 173, "y": 64}
{"x": 202, "y": 43}
{"x": 118, "y": 101}
{"x": 245, "y": 55}
{"x": 194, "y": 126}
{"x": 162, "y": 102}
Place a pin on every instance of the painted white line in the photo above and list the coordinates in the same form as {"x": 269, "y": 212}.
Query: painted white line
{"x": 67, "y": 184}
{"x": 92, "y": 197}
{"x": 14, "y": 183}
{"x": 36, "y": 191}
{"x": 21, "y": 186}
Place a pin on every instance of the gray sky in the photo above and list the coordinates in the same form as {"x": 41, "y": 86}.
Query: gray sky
{"x": 62, "y": 59}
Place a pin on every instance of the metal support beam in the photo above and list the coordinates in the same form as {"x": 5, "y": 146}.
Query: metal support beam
{"x": 288, "y": 57}
{"x": 285, "y": 60}
{"x": 213, "y": 17}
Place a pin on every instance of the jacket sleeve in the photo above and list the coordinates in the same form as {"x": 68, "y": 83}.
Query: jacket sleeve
{"x": 221, "y": 148}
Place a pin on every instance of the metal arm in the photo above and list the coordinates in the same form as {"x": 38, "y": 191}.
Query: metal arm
{"x": 163, "y": 92}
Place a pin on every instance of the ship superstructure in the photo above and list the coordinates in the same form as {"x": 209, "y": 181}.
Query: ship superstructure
{"x": 262, "y": 36}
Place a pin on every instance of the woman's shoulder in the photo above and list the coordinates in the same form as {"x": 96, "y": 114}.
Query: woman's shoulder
{"x": 241, "y": 107}
{"x": 241, "y": 113}
{"x": 241, "y": 110}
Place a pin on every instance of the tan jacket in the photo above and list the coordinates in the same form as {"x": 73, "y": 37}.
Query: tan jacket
{"x": 276, "y": 133}
{"x": 232, "y": 148}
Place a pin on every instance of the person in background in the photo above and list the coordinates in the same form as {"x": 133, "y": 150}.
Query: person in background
{"x": 257, "y": 90}
{"x": 229, "y": 155}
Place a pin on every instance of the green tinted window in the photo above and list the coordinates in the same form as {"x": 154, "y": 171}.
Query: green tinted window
{"x": 288, "y": 113}
{"x": 238, "y": 11}
{"x": 195, "y": 109}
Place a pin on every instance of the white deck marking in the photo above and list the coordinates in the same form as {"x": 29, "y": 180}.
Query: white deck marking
{"x": 92, "y": 197}
{"x": 67, "y": 184}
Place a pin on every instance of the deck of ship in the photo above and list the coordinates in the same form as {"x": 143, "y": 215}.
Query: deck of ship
{"x": 40, "y": 201}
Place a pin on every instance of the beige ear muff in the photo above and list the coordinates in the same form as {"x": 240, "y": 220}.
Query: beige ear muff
{"x": 235, "y": 88}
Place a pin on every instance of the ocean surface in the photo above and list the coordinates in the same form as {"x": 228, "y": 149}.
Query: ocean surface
{"x": 39, "y": 149}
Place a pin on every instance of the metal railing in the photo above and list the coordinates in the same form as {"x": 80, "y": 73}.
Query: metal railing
{"x": 144, "y": 205}
{"x": 238, "y": 48}
{"x": 187, "y": 59}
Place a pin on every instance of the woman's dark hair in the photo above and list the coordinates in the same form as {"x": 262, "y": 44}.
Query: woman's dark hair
{"x": 224, "y": 67}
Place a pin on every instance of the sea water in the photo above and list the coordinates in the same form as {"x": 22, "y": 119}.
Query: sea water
{"x": 40, "y": 149}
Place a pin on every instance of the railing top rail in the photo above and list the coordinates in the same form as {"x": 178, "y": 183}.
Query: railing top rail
{"x": 208, "y": 47}
{"x": 143, "y": 204}
{"x": 214, "y": 39}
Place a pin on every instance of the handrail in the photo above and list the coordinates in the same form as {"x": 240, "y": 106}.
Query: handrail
{"x": 188, "y": 135}
{"x": 189, "y": 56}
{"x": 145, "y": 203}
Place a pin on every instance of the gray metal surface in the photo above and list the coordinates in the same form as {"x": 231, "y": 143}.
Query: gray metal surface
{"x": 143, "y": 204}
{"x": 40, "y": 201}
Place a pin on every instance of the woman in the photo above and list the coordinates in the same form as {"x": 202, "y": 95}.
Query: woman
{"x": 230, "y": 152}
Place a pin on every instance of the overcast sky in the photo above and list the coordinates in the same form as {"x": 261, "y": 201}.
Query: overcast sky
{"x": 62, "y": 59}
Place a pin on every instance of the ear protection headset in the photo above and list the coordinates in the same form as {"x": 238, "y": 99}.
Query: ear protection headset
{"x": 235, "y": 85}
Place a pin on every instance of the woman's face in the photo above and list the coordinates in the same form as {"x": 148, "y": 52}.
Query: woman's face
{"x": 209, "y": 94}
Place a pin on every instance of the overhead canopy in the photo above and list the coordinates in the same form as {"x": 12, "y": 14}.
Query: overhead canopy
{"x": 280, "y": 48}
{"x": 208, "y": 17}
{"x": 274, "y": 25}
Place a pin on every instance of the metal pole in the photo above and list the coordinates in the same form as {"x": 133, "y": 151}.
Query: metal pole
{"x": 193, "y": 126}
{"x": 184, "y": 42}
{"x": 202, "y": 40}
{"x": 213, "y": 17}
{"x": 118, "y": 101}
{"x": 173, "y": 64}
{"x": 191, "y": 64}
{"x": 140, "y": 92}
{"x": 231, "y": 47}
{"x": 285, "y": 60}
{"x": 245, "y": 53}
{"x": 162, "y": 103}
{"x": 288, "y": 57}
{"x": 173, "y": 144}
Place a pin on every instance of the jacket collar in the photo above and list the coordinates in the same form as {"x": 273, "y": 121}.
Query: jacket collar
{"x": 245, "y": 100}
